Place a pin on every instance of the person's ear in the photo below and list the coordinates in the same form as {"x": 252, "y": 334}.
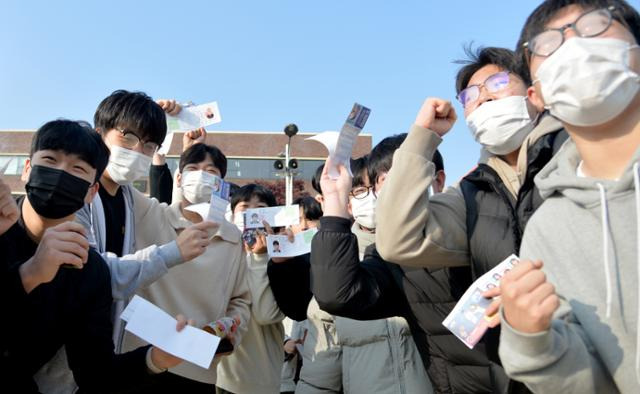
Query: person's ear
{"x": 438, "y": 181}
{"x": 319, "y": 198}
{"x": 349, "y": 208}
{"x": 91, "y": 193}
{"x": 179, "y": 180}
{"x": 535, "y": 97}
{"x": 26, "y": 170}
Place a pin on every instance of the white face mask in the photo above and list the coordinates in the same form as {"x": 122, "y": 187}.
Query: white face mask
{"x": 501, "y": 125}
{"x": 197, "y": 186}
{"x": 588, "y": 81}
{"x": 126, "y": 166}
{"x": 364, "y": 210}
{"x": 238, "y": 220}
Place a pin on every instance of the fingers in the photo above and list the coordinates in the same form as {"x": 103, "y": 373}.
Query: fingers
{"x": 171, "y": 107}
{"x": 66, "y": 258}
{"x": 520, "y": 270}
{"x": 72, "y": 237}
{"x": 493, "y": 308}
{"x": 444, "y": 109}
{"x": 492, "y": 320}
{"x": 70, "y": 226}
{"x": 325, "y": 170}
{"x": 550, "y": 304}
{"x": 267, "y": 227}
{"x": 72, "y": 248}
{"x": 494, "y": 292}
{"x": 290, "y": 235}
{"x": 181, "y": 322}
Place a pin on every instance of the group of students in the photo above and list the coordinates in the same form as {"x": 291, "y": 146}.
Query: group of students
{"x": 557, "y": 184}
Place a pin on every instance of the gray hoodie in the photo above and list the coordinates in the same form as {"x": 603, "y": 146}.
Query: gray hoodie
{"x": 586, "y": 233}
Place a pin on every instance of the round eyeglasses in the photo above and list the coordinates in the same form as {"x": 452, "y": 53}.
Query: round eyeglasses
{"x": 494, "y": 83}
{"x": 130, "y": 140}
{"x": 589, "y": 24}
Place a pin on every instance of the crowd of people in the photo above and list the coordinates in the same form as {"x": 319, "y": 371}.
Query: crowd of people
{"x": 557, "y": 184}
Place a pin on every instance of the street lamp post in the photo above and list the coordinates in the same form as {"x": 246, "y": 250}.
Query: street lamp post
{"x": 289, "y": 164}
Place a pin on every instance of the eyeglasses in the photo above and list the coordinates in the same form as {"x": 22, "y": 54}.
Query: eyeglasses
{"x": 589, "y": 24}
{"x": 494, "y": 83}
{"x": 361, "y": 192}
{"x": 130, "y": 140}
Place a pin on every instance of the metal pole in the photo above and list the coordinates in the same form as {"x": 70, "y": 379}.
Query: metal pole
{"x": 288, "y": 175}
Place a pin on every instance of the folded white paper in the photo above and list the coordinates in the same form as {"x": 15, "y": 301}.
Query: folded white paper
{"x": 166, "y": 144}
{"x": 155, "y": 326}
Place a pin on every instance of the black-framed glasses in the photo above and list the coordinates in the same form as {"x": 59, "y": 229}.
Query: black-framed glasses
{"x": 130, "y": 140}
{"x": 494, "y": 83}
{"x": 361, "y": 192}
{"x": 589, "y": 24}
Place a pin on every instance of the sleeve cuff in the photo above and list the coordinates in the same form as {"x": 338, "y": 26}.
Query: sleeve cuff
{"x": 421, "y": 141}
{"x": 170, "y": 253}
{"x": 530, "y": 345}
{"x": 150, "y": 365}
{"x": 335, "y": 224}
{"x": 159, "y": 169}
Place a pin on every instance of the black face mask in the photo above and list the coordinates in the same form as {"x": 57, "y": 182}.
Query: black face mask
{"x": 54, "y": 193}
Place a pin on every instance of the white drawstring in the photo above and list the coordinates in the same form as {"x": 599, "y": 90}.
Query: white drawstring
{"x": 636, "y": 182}
{"x": 605, "y": 247}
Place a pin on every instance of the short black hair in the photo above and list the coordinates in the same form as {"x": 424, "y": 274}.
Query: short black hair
{"x": 381, "y": 157}
{"x": 437, "y": 161}
{"x": 133, "y": 111}
{"x": 233, "y": 188}
{"x": 72, "y": 137}
{"x": 315, "y": 180}
{"x": 247, "y": 192}
{"x": 198, "y": 153}
{"x": 359, "y": 169}
{"x": 276, "y": 243}
{"x": 503, "y": 58}
{"x": 311, "y": 208}
{"x": 546, "y": 11}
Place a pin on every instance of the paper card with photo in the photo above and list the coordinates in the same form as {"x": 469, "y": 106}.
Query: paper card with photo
{"x": 221, "y": 188}
{"x": 216, "y": 208}
{"x": 193, "y": 117}
{"x": 467, "y": 321}
{"x": 281, "y": 216}
{"x": 352, "y": 127}
{"x": 280, "y": 246}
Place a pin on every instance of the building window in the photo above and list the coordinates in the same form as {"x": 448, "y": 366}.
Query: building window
{"x": 15, "y": 164}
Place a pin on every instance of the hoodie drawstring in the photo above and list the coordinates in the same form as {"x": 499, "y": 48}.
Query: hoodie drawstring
{"x": 636, "y": 183}
{"x": 605, "y": 247}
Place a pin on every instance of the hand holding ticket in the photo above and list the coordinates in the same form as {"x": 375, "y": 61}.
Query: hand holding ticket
{"x": 467, "y": 320}
{"x": 194, "y": 117}
{"x": 155, "y": 326}
{"x": 340, "y": 145}
{"x": 217, "y": 207}
{"x": 280, "y": 246}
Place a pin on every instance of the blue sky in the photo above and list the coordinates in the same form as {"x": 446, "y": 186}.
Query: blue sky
{"x": 267, "y": 63}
